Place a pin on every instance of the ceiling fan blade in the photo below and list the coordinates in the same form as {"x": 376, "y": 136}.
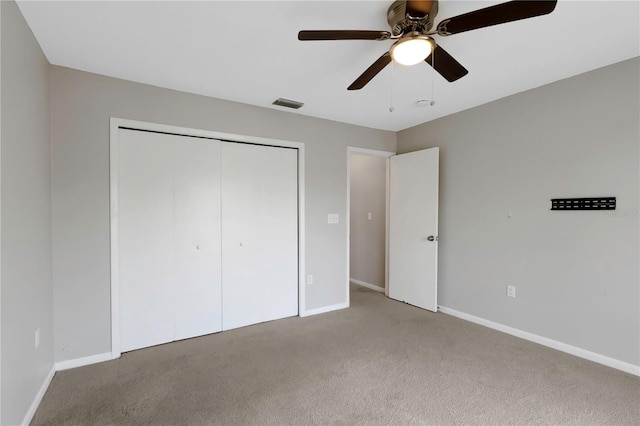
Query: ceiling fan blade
{"x": 446, "y": 65}
{"x": 419, "y": 8}
{"x": 371, "y": 72}
{"x": 494, "y": 15}
{"x": 343, "y": 35}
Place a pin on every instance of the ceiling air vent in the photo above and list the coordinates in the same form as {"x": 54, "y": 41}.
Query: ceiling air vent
{"x": 287, "y": 103}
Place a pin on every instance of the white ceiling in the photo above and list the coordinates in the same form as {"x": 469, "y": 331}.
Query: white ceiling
{"x": 248, "y": 52}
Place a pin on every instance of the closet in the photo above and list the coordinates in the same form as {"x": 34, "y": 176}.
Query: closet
{"x": 207, "y": 236}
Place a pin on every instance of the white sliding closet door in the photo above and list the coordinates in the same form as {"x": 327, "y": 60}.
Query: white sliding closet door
{"x": 169, "y": 238}
{"x": 260, "y": 234}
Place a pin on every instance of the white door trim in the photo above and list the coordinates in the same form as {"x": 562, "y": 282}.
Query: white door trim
{"x": 373, "y": 153}
{"x": 115, "y": 125}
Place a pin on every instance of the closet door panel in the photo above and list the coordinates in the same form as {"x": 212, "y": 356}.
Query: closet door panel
{"x": 241, "y": 260}
{"x": 279, "y": 236}
{"x": 259, "y": 234}
{"x": 169, "y": 238}
{"x": 145, "y": 221}
{"x": 197, "y": 290}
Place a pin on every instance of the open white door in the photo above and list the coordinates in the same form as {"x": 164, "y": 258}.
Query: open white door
{"x": 413, "y": 228}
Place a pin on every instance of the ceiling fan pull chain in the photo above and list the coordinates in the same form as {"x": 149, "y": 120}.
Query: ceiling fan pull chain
{"x": 433, "y": 73}
{"x": 391, "y": 108}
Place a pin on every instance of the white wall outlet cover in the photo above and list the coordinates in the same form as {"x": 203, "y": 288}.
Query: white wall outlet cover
{"x": 309, "y": 279}
{"x": 511, "y": 291}
{"x": 333, "y": 218}
{"x": 369, "y": 216}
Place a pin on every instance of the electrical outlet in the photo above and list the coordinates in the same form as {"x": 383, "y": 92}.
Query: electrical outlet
{"x": 309, "y": 279}
{"x": 369, "y": 216}
{"x": 511, "y": 291}
{"x": 37, "y": 338}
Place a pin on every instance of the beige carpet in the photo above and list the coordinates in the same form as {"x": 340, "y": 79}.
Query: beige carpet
{"x": 379, "y": 362}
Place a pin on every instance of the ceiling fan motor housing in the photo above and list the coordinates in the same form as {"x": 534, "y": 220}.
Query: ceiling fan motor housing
{"x": 401, "y": 22}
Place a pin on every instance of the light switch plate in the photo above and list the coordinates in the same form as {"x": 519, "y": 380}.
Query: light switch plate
{"x": 333, "y": 218}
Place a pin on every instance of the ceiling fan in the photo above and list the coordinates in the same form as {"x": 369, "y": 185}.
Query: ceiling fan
{"x": 411, "y": 23}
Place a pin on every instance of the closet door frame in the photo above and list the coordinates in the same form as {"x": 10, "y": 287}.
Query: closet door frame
{"x": 120, "y": 123}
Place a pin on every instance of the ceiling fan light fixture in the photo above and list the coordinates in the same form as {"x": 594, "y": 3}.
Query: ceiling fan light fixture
{"x": 412, "y": 49}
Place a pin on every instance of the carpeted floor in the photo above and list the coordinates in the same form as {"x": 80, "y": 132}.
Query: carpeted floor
{"x": 379, "y": 362}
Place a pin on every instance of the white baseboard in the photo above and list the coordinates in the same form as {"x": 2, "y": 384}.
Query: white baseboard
{"x": 81, "y": 362}
{"x": 367, "y": 285}
{"x": 563, "y": 347}
{"x": 36, "y": 402}
{"x": 59, "y": 366}
{"x": 323, "y": 310}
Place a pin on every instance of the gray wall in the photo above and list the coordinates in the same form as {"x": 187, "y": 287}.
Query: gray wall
{"x": 27, "y": 294}
{"x": 368, "y": 192}
{"x": 576, "y": 273}
{"x": 81, "y": 105}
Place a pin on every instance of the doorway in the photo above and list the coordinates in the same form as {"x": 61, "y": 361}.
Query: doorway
{"x": 408, "y": 232}
{"x": 368, "y": 218}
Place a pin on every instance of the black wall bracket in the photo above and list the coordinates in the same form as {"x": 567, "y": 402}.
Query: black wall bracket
{"x": 600, "y": 203}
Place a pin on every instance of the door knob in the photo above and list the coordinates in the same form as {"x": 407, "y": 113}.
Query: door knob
{"x": 432, "y": 238}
